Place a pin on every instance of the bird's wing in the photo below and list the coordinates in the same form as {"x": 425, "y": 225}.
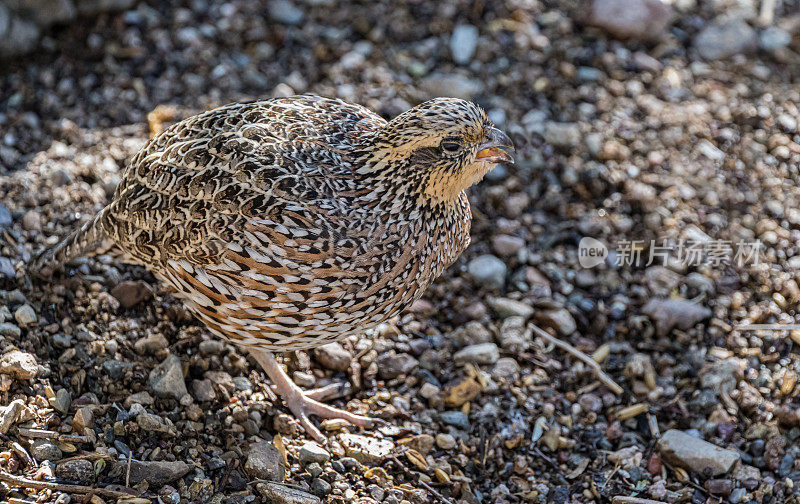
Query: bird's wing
{"x": 245, "y": 198}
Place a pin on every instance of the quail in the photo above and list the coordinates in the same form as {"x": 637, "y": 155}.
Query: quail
{"x": 289, "y": 223}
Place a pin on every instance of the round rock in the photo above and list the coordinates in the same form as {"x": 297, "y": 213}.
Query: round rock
{"x": 463, "y": 43}
{"x": 312, "y": 452}
{"x": 25, "y": 315}
{"x": 43, "y": 449}
{"x": 488, "y": 271}
{"x": 264, "y": 461}
{"x": 80, "y": 471}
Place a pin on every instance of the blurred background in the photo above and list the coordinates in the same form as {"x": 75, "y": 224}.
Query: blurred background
{"x": 638, "y": 123}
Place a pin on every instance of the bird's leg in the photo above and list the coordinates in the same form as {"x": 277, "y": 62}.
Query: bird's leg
{"x": 299, "y": 403}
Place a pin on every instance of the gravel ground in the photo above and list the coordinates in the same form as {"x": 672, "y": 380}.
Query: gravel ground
{"x": 688, "y": 133}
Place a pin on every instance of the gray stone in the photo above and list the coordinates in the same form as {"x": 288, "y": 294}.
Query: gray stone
{"x": 83, "y": 419}
{"x": 5, "y": 215}
{"x": 203, "y": 390}
{"x": 32, "y": 221}
{"x": 314, "y": 469}
{"x": 242, "y": 383}
{"x": 591, "y": 402}
{"x": 211, "y": 347}
{"x": 312, "y": 452}
{"x": 455, "y": 85}
{"x": 534, "y": 121}
{"x": 455, "y": 418}
{"x": 643, "y": 61}
{"x": 81, "y": 471}
{"x": 151, "y": 344}
{"x": 719, "y": 486}
{"x": 166, "y": 379}
{"x": 724, "y": 39}
{"x": 505, "y": 307}
{"x": 744, "y": 472}
{"x": 488, "y": 271}
{"x": 9, "y": 414}
{"x": 366, "y": 449}
{"x": 149, "y": 422}
{"x": 264, "y": 461}
{"x": 44, "y": 449}
{"x": 116, "y": 369}
{"x": 773, "y": 38}
{"x": 157, "y": 474}
{"x": 445, "y": 441}
{"x": 320, "y": 487}
{"x": 130, "y": 293}
{"x": 514, "y": 335}
{"x": 304, "y": 379}
{"x": 392, "y": 365}
{"x": 285, "y": 12}
{"x": 10, "y": 330}
{"x": 21, "y": 365}
{"x": 463, "y": 42}
{"x": 17, "y": 35}
{"x": 560, "y": 319}
{"x": 15, "y": 297}
{"x": 61, "y": 401}
{"x": 62, "y": 340}
{"x": 507, "y": 245}
{"x": 506, "y": 367}
{"x": 221, "y": 379}
{"x": 277, "y": 493}
{"x": 788, "y": 124}
{"x": 562, "y": 134}
{"x": 483, "y": 353}
{"x": 333, "y": 356}
{"x": 669, "y": 313}
{"x": 471, "y": 334}
{"x": 589, "y": 74}
{"x": 643, "y": 19}
{"x": 660, "y": 280}
{"x": 692, "y": 453}
{"x": 723, "y": 375}
{"x": 7, "y": 267}
{"x": 142, "y": 397}
{"x": 25, "y": 315}
{"x": 700, "y": 283}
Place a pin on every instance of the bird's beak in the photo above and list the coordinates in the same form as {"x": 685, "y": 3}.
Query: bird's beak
{"x": 496, "y": 148}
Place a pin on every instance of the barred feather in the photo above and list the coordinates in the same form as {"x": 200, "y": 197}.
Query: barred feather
{"x": 87, "y": 238}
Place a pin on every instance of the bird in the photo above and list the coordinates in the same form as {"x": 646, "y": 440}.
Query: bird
{"x": 284, "y": 224}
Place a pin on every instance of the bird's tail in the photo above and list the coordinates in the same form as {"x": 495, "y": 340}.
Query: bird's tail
{"x": 85, "y": 239}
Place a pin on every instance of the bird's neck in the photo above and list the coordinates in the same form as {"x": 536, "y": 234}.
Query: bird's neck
{"x": 391, "y": 173}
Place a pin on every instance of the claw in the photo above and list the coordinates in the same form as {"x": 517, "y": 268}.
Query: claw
{"x": 299, "y": 402}
{"x": 303, "y": 406}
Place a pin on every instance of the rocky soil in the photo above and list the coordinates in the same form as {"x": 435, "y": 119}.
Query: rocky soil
{"x": 634, "y": 121}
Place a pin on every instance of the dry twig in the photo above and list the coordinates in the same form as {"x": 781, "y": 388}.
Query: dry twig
{"x": 619, "y": 499}
{"x": 23, "y": 482}
{"x": 601, "y": 375}
{"x": 48, "y": 434}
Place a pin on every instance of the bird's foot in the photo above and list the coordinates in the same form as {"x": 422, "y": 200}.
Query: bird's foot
{"x": 302, "y": 406}
{"x": 300, "y": 403}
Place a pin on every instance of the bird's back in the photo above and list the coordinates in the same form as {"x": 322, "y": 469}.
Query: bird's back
{"x": 237, "y": 161}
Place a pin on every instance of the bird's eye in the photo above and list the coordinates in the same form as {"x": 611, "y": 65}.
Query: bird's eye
{"x": 450, "y": 147}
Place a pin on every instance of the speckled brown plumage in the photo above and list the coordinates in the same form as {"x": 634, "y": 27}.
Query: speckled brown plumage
{"x": 285, "y": 224}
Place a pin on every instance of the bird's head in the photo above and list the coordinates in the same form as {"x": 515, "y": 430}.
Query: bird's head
{"x": 442, "y": 147}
